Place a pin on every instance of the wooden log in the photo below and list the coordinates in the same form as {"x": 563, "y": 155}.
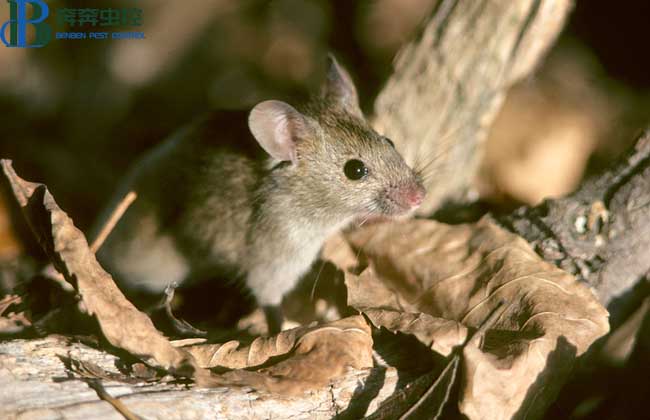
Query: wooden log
{"x": 35, "y": 384}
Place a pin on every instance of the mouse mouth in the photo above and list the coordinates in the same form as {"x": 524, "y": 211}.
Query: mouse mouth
{"x": 398, "y": 201}
{"x": 390, "y": 208}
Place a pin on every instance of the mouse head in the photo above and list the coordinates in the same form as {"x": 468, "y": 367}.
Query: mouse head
{"x": 337, "y": 164}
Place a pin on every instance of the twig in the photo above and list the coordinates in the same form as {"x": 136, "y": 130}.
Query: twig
{"x": 96, "y": 385}
{"x": 180, "y": 325}
{"x": 51, "y": 273}
{"x": 112, "y": 221}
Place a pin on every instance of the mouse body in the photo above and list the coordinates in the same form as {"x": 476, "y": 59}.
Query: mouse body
{"x": 255, "y": 195}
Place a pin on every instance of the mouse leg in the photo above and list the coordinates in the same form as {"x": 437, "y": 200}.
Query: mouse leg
{"x": 269, "y": 284}
{"x": 274, "y": 318}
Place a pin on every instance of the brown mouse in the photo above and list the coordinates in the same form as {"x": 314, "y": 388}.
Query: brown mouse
{"x": 211, "y": 200}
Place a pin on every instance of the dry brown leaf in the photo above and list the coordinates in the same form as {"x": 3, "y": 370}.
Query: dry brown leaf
{"x": 427, "y": 396}
{"x": 121, "y": 323}
{"x": 12, "y": 322}
{"x": 309, "y": 357}
{"x": 303, "y": 358}
{"x": 338, "y": 251}
{"x": 551, "y": 125}
{"x": 10, "y": 246}
{"x": 459, "y": 275}
{"x": 386, "y": 308}
{"x": 7, "y": 301}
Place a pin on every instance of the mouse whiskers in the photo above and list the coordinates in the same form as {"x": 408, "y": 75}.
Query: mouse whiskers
{"x": 362, "y": 222}
{"x": 423, "y": 165}
{"x": 313, "y": 288}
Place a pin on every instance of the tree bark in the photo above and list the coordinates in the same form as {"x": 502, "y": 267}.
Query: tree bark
{"x": 449, "y": 84}
{"x": 600, "y": 233}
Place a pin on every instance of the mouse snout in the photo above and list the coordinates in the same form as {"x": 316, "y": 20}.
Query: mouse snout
{"x": 408, "y": 196}
{"x": 413, "y": 195}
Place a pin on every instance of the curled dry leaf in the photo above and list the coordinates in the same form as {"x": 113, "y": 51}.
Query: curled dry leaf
{"x": 11, "y": 322}
{"x": 386, "y": 308}
{"x": 14, "y": 323}
{"x": 309, "y": 357}
{"x": 7, "y": 301}
{"x": 121, "y": 323}
{"x": 435, "y": 281}
{"x": 303, "y": 358}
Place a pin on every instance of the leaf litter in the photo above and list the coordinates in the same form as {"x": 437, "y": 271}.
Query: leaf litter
{"x": 12, "y": 322}
{"x": 440, "y": 283}
{"x": 341, "y": 344}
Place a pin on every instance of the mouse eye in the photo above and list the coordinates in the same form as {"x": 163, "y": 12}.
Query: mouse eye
{"x": 355, "y": 169}
{"x": 390, "y": 142}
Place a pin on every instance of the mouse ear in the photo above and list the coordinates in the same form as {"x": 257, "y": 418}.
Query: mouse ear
{"x": 277, "y": 126}
{"x": 339, "y": 89}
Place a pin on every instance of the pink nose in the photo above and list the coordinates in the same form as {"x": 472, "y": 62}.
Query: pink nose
{"x": 413, "y": 196}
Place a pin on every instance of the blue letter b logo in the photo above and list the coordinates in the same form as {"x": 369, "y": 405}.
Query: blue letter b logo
{"x": 18, "y": 22}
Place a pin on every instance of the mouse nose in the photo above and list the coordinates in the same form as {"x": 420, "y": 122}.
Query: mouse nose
{"x": 408, "y": 196}
{"x": 413, "y": 195}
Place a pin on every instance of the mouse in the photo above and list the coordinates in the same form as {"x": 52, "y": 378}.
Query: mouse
{"x": 254, "y": 195}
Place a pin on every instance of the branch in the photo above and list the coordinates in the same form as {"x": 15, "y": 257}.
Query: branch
{"x": 449, "y": 84}
{"x": 601, "y": 233}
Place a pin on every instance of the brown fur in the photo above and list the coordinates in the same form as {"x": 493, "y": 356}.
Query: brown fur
{"x": 210, "y": 200}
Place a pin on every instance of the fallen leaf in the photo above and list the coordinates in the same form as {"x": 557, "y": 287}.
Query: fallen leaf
{"x": 12, "y": 323}
{"x": 386, "y": 308}
{"x": 295, "y": 360}
{"x": 7, "y": 301}
{"x": 436, "y": 281}
{"x": 121, "y": 323}
{"x": 290, "y": 363}
{"x": 428, "y": 396}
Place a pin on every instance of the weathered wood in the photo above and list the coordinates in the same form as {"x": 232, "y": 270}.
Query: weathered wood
{"x": 34, "y": 384}
{"x": 449, "y": 84}
{"x": 601, "y": 233}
